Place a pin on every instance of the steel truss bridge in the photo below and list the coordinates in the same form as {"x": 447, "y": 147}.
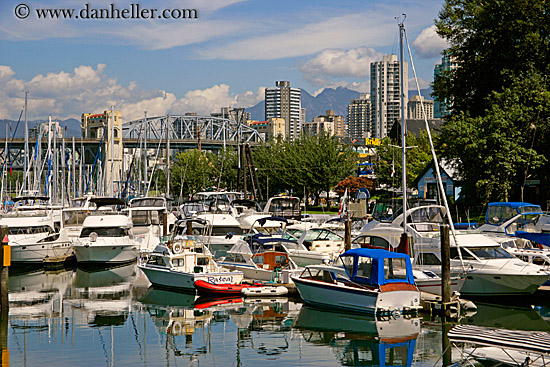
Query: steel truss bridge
{"x": 184, "y": 132}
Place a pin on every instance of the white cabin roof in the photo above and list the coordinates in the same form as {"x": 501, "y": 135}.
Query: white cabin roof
{"x": 115, "y": 220}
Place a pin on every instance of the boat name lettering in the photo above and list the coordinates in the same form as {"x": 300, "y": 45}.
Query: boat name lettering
{"x": 222, "y": 279}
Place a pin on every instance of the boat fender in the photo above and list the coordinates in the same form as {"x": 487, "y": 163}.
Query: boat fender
{"x": 178, "y": 248}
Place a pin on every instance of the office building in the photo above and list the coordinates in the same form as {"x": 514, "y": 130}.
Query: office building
{"x": 415, "y": 108}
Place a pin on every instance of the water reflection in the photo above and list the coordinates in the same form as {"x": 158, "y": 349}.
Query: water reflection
{"x": 361, "y": 340}
{"x": 110, "y": 317}
{"x": 103, "y": 295}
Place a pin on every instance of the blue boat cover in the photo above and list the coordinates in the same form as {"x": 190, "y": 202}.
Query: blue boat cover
{"x": 377, "y": 273}
{"x": 542, "y": 238}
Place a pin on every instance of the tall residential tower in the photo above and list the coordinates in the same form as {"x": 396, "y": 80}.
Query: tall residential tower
{"x": 386, "y": 94}
{"x": 359, "y": 117}
{"x": 285, "y": 102}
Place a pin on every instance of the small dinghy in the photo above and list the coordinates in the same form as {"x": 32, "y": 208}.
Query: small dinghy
{"x": 265, "y": 291}
{"x": 204, "y": 287}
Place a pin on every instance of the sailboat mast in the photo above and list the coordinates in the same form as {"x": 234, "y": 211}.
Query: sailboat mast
{"x": 26, "y": 155}
{"x": 403, "y": 127}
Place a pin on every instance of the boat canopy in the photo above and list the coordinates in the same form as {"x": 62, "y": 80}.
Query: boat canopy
{"x": 377, "y": 266}
{"x": 498, "y": 213}
{"x": 542, "y": 238}
{"x": 529, "y": 341}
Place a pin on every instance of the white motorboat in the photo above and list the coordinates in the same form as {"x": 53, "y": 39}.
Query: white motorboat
{"x": 490, "y": 269}
{"x": 179, "y": 265}
{"x": 105, "y": 238}
{"x": 147, "y": 215}
{"x": 30, "y": 231}
{"x": 263, "y": 258}
{"x": 362, "y": 280}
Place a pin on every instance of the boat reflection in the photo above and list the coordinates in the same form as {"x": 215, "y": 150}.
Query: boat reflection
{"x": 103, "y": 295}
{"x": 37, "y": 294}
{"x": 507, "y": 317}
{"x": 359, "y": 340}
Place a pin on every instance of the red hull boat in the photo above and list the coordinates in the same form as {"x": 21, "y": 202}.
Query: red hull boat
{"x": 204, "y": 287}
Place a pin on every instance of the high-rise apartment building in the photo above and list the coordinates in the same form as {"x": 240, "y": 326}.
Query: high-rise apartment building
{"x": 285, "y": 102}
{"x": 443, "y": 108}
{"x": 415, "y": 108}
{"x": 359, "y": 117}
{"x": 385, "y": 91}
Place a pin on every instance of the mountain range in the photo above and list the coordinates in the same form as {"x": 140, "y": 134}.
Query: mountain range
{"x": 329, "y": 99}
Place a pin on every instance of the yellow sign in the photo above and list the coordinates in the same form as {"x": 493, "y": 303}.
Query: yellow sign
{"x": 372, "y": 141}
{"x": 7, "y": 255}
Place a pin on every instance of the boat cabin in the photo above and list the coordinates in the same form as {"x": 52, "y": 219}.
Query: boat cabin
{"x": 376, "y": 267}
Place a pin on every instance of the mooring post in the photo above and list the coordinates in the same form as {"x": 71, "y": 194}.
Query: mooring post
{"x": 165, "y": 224}
{"x": 347, "y": 234}
{"x": 445, "y": 268}
{"x": 5, "y": 260}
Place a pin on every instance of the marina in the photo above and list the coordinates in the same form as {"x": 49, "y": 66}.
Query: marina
{"x": 166, "y": 231}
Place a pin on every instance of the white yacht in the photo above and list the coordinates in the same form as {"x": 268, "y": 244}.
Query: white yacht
{"x": 490, "y": 269}
{"x": 147, "y": 215}
{"x": 30, "y": 230}
{"x": 178, "y": 265}
{"x": 106, "y": 238}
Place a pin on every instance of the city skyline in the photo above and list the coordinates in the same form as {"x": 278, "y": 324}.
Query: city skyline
{"x": 225, "y": 57}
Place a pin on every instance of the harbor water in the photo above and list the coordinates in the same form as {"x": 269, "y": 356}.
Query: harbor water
{"x": 112, "y": 317}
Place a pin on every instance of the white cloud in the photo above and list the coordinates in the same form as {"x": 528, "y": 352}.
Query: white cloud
{"x": 88, "y": 89}
{"x": 335, "y": 32}
{"x": 428, "y": 44}
{"x": 342, "y": 63}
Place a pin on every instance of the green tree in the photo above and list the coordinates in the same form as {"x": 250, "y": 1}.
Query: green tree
{"x": 314, "y": 163}
{"x": 488, "y": 39}
{"x": 192, "y": 171}
{"x": 498, "y": 130}
{"x": 500, "y": 149}
{"x": 389, "y": 157}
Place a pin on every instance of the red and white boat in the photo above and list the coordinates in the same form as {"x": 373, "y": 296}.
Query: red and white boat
{"x": 204, "y": 287}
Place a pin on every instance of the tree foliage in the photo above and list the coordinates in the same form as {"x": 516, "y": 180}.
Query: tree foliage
{"x": 488, "y": 39}
{"x": 499, "y": 91}
{"x": 389, "y": 157}
{"x": 312, "y": 163}
{"x": 193, "y": 170}
{"x": 353, "y": 184}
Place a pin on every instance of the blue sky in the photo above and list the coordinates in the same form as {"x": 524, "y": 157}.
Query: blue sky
{"x": 225, "y": 57}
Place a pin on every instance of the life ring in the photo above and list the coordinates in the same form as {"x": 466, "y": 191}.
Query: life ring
{"x": 178, "y": 248}
{"x": 176, "y": 328}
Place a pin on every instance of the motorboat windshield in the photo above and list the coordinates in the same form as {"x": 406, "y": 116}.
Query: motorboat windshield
{"x": 498, "y": 213}
{"x": 481, "y": 253}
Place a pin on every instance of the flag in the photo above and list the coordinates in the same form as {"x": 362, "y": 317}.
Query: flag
{"x": 342, "y": 209}
{"x": 392, "y": 168}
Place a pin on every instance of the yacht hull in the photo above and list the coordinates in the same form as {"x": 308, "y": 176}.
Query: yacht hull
{"x": 172, "y": 279}
{"x": 105, "y": 253}
{"x": 363, "y": 300}
{"x": 37, "y": 252}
